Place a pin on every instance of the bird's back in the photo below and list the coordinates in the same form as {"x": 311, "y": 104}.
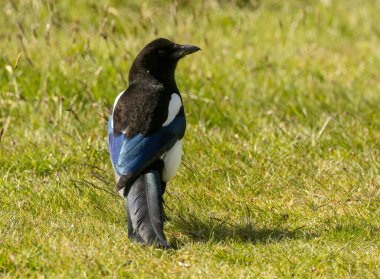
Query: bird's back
{"x": 141, "y": 109}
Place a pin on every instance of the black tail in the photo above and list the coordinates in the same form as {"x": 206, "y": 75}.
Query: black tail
{"x": 144, "y": 208}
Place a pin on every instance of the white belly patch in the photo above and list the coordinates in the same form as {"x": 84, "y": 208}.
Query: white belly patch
{"x": 172, "y": 160}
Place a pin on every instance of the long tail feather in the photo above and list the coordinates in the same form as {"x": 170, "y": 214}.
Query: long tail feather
{"x": 131, "y": 234}
{"x": 145, "y": 213}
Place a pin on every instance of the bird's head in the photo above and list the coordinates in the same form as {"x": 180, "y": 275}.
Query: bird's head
{"x": 159, "y": 59}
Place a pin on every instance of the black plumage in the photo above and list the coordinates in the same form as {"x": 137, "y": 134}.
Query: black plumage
{"x": 144, "y": 106}
{"x": 145, "y": 210}
{"x": 142, "y": 130}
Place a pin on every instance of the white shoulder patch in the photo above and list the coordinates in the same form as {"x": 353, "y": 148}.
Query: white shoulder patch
{"x": 114, "y": 105}
{"x": 116, "y": 100}
{"x": 175, "y": 105}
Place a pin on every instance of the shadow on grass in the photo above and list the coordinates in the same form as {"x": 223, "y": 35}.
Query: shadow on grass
{"x": 216, "y": 230}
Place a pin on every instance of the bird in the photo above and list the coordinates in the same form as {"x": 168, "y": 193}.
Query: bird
{"x": 145, "y": 132}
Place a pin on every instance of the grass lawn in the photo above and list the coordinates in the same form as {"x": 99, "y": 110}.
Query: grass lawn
{"x": 281, "y": 170}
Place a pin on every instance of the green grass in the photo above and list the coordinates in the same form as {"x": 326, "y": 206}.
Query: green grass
{"x": 280, "y": 175}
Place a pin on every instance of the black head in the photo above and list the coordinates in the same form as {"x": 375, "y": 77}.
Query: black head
{"x": 158, "y": 59}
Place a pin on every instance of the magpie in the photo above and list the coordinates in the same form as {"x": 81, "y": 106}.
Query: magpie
{"x": 145, "y": 132}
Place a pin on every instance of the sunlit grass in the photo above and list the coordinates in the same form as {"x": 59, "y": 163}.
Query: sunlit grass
{"x": 280, "y": 176}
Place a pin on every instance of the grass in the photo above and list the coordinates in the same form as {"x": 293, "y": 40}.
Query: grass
{"x": 280, "y": 175}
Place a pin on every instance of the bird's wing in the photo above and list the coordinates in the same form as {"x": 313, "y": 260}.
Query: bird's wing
{"x": 115, "y": 142}
{"x": 131, "y": 156}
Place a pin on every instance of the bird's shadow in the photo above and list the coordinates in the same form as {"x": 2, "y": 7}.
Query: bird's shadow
{"x": 217, "y": 230}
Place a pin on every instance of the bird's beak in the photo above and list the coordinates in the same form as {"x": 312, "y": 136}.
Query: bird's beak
{"x": 183, "y": 50}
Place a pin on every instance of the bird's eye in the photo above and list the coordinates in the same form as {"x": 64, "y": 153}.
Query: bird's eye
{"x": 162, "y": 52}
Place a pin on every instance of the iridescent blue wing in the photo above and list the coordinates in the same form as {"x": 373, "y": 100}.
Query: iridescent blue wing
{"x": 130, "y": 156}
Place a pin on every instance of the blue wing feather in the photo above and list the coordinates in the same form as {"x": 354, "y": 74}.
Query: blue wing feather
{"x": 115, "y": 142}
{"x": 132, "y": 155}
